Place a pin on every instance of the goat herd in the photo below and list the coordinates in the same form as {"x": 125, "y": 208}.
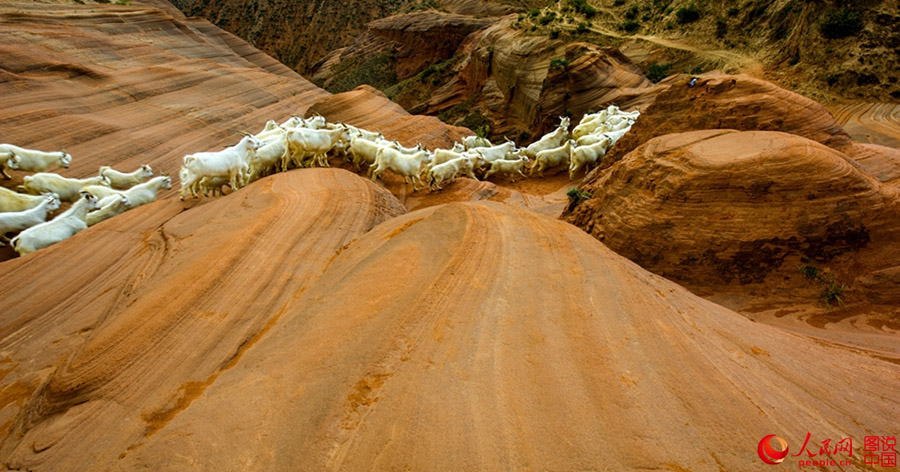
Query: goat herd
{"x": 297, "y": 142}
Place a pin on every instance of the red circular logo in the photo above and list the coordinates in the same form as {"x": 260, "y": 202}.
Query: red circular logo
{"x": 768, "y": 453}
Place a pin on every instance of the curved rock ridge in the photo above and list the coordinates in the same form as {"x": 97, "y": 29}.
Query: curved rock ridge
{"x": 131, "y": 85}
{"x": 479, "y": 336}
{"x": 137, "y": 315}
{"x": 744, "y": 103}
{"x": 714, "y": 207}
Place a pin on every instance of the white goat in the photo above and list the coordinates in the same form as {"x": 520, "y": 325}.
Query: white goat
{"x": 100, "y": 191}
{"x": 68, "y": 189}
{"x": 475, "y": 141}
{"x": 15, "y": 201}
{"x": 19, "y": 220}
{"x": 146, "y": 192}
{"x": 62, "y": 227}
{"x": 301, "y": 143}
{"x": 558, "y": 156}
{"x": 364, "y": 151}
{"x": 449, "y": 170}
{"x": 550, "y": 140}
{"x": 586, "y": 156}
{"x": 509, "y": 167}
{"x": 370, "y": 135}
{"x": 269, "y": 130}
{"x": 35, "y": 161}
{"x": 109, "y": 207}
{"x": 267, "y": 159}
{"x": 315, "y": 122}
{"x": 445, "y": 155}
{"x": 615, "y": 136}
{"x": 232, "y": 162}
{"x": 409, "y": 166}
{"x": 500, "y": 151}
{"x": 123, "y": 181}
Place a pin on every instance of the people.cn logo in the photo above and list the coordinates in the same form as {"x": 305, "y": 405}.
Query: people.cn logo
{"x": 768, "y": 453}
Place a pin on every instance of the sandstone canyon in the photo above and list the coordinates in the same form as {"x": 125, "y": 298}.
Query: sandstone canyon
{"x": 728, "y": 270}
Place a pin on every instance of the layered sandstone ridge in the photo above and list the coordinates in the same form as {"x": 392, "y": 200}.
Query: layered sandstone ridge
{"x": 139, "y": 314}
{"x": 484, "y": 337}
{"x": 717, "y": 207}
{"x": 131, "y": 85}
{"x": 744, "y": 103}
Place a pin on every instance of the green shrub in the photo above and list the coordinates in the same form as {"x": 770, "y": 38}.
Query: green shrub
{"x": 477, "y": 122}
{"x": 618, "y": 3}
{"x": 534, "y": 12}
{"x": 631, "y": 13}
{"x": 842, "y": 23}
{"x": 577, "y": 196}
{"x": 688, "y": 14}
{"x": 559, "y": 63}
{"x": 833, "y": 293}
{"x": 554, "y": 34}
{"x": 721, "y": 28}
{"x": 582, "y": 28}
{"x": 630, "y": 25}
{"x": 809, "y": 272}
{"x": 733, "y": 11}
{"x": 545, "y": 20}
{"x": 657, "y": 72}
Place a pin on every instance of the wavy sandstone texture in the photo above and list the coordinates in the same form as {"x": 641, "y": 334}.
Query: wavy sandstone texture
{"x": 164, "y": 302}
{"x": 717, "y": 207}
{"x": 472, "y": 337}
{"x": 744, "y": 103}
{"x": 132, "y": 85}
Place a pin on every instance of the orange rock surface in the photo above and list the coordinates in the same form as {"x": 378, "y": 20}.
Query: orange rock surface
{"x": 460, "y": 337}
{"x": 712, "y": 208}
{"x": 132, "y": 85}
{"x": 744, "y": 103}
{"x": 136, "y": 316}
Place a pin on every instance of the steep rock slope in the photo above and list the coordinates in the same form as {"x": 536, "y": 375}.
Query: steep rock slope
{"x": 513, "y": 81}
{"x": 712, "y": 208}
{"x": 395, "y": 48}
{"x": 132, "y": 85}
{"x": 298, "y": 33}
{"x": 137, "y": 315}
{"x": 484, "y": 337}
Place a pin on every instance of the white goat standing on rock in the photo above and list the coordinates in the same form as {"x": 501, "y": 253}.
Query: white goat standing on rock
{"x": 407, "y": 165}
{"x": 15, "y": 201}
{"x": 232, "y": 162}
{"x": 67, "y": 188}
{"x": 109, "y": 207}
{"x": 34, "y": 161}
{"x": 19, "y": 220}
{"x": 550, "y": 140}
{"x": 122, "y": 181}
{"x": 62, "y": 227}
